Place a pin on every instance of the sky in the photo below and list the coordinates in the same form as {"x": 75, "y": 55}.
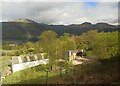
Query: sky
{"x": 61, "y": 12}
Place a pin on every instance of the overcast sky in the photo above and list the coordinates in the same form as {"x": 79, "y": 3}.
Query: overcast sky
{"x": 61, "y": 12}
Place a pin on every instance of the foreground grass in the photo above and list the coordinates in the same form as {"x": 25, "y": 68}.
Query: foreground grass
{"x": 95, "y": 72}
{"x": 29, "y": 76}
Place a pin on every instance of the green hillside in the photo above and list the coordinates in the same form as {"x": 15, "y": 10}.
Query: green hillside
{"x": 30, "y": 31}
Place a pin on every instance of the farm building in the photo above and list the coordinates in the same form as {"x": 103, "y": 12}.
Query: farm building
{"x": 73, "y": 54}
{"x": 23, "y": 62}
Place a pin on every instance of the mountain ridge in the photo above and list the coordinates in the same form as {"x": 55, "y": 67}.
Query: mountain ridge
{"x": 30, "y": 30}
{"x": 32, "y": 21}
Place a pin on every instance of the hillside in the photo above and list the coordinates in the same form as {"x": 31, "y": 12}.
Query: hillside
{"x": 27, "y": 30}
{"x": 100, "y": 50}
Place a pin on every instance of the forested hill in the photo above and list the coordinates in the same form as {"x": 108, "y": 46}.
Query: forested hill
{"x": 30, "y": 30}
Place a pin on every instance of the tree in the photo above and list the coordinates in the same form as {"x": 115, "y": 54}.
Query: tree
{"x": 47, "y": 37}
{"x": 106, "y": 45}
{"x": 31, "y": 50}
{"x": 68, "y": 43}
{"x": 47, "y": 40}
{"x": 38, "y": 47}
{"x": 86, "y": 40}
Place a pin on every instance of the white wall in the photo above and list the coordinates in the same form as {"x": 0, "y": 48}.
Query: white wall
{"x": 21, "y": 66}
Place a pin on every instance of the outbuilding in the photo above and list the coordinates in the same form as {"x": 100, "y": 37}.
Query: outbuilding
{"x": 73, "y": 54}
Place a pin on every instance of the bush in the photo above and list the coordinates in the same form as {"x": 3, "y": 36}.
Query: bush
{"x": 40, "y": 68}
{"x": 17, "y": 53}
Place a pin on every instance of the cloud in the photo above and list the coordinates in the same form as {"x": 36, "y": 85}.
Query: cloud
{"x": 61, "y": 12}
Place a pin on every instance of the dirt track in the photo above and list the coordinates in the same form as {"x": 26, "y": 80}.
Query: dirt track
{"x": 79, "y": 60}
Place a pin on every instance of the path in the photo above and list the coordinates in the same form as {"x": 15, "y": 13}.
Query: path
{"x": 79, "y": 60}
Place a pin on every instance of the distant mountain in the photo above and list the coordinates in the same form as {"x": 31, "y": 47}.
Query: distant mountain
{"x": 22, "y": 21}
{"x": 85, "y": 24}
{"x": 27, "y": 30}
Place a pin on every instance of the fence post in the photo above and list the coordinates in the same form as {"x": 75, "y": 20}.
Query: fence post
{"x": 60, "y": 71}
{"x": 46, "y": 77}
